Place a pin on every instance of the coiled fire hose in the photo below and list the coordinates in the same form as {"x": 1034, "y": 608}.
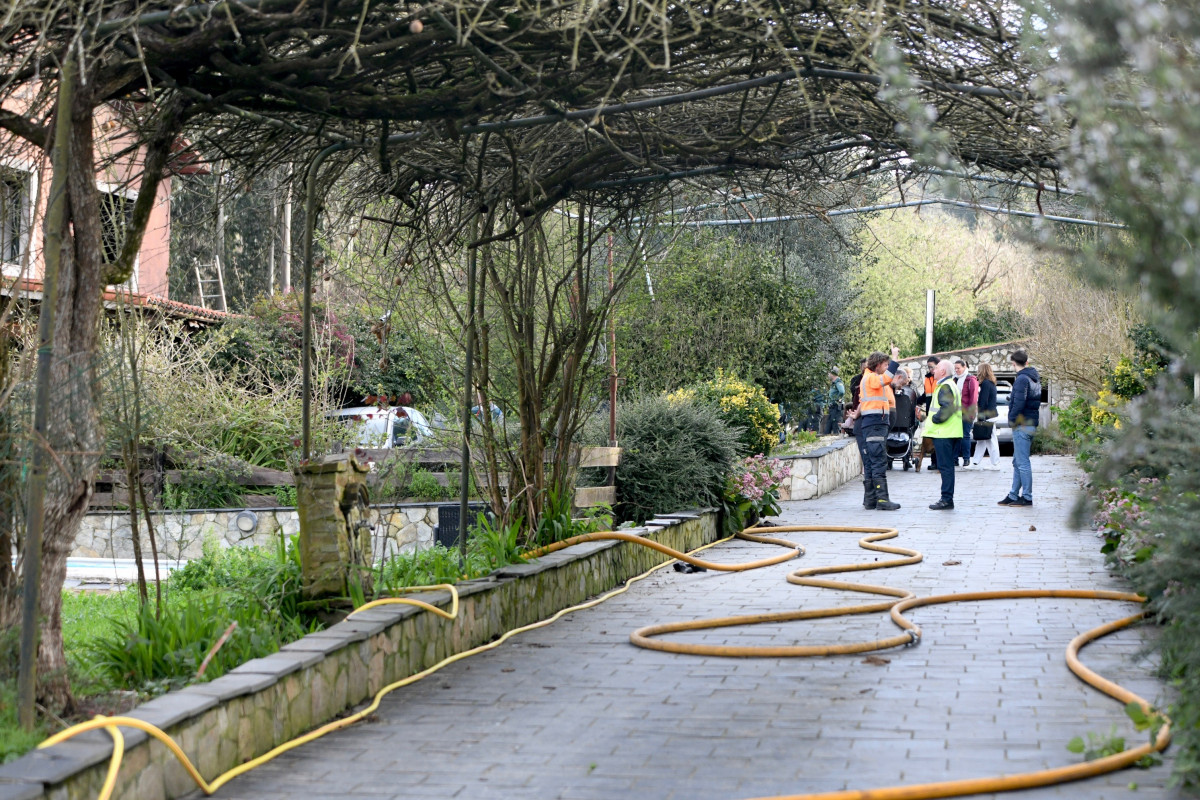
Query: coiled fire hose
{"x": 647, "y": 637}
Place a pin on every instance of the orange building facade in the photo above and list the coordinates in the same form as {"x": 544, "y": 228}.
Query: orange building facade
{"x": 24, "y": 188}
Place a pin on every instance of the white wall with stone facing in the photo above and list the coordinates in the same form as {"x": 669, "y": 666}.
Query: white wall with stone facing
{"x": 182, "y": 534}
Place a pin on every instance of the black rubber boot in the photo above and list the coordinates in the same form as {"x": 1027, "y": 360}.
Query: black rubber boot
{"x": 868, "y": 496}
{"x": 882, "y": 502}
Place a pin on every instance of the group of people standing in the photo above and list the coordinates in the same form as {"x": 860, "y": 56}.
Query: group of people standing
{"x": 957, "y": 408}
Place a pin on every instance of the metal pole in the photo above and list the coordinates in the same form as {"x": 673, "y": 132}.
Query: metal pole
{"x": 929, "y": 301}
{"x": 285, "y": 242}
{"x": 55, "y": 223}
{"x": 310, "y": 224}
{"x": 464, "y": 483}
{"x": 612, "y": 364}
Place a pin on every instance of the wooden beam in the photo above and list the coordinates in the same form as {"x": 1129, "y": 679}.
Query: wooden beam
{"x": 600, "y": 457}
{"x": 591, "y": 496}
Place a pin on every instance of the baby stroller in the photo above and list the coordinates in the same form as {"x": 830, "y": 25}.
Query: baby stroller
{"x": 899, "y": 446}
{"x": 899, "y": 443}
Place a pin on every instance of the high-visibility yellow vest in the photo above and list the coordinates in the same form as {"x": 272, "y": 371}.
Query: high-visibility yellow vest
{"x": 952, "y": 428}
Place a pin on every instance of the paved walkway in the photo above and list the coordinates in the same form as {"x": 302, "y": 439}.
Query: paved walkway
{"x": 574, "y": 711}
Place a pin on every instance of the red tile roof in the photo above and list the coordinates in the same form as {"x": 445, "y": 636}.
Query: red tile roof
{"x": 170, "y": 308}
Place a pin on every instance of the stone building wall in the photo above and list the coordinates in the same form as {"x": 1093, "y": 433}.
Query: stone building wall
{"x": 995, "y": 354}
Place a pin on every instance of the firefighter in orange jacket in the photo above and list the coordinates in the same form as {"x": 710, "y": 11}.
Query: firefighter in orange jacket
{"x": 873, "y": 417}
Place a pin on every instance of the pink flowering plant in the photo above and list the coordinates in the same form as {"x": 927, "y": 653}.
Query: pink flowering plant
{"x": 1123, "y": 520}
{"x": 752, "y": 491}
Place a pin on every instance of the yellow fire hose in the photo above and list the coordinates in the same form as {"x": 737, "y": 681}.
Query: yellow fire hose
{"x": 645, "y": 637}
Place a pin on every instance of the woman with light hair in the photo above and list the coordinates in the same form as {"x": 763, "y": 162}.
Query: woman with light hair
{"x": 983, "y": 431}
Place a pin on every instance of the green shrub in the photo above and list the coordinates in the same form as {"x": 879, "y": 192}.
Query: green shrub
{"x": 217, "y": 568}
{"x": 1075, "y": 420}
{"x": 1050, "y": 439}
{"x": 285, "y": 496}
{"x": 742, "y": 406}
{"x": 270, "y": 578}
{"x": 1147, "y": 487}
{"x": 393, "y": 479}
{"x": 676, "y": 455}
{"x": 212, "y": 485}
{"x": 424, "y": 486}
{"x": 436, "y": 564}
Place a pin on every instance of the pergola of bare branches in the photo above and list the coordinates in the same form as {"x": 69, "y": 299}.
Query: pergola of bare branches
{"x": 512, "y": 106}
{"x": 771, "y": 86}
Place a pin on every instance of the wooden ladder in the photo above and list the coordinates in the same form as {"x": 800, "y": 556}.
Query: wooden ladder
{"x": 219, "y": 280}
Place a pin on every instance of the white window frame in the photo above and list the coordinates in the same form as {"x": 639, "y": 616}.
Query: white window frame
{"x": 122, "y": 190}
{"x": 28, "y": 177}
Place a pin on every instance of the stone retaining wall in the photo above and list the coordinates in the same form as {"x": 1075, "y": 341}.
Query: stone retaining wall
{"x": 271, "y": 700}
{"x": 397, "y": 528}
{"x": 822, "y": 470}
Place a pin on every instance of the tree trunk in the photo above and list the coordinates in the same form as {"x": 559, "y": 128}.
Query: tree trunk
{"x": 74, "y": 425}
{"x": 73, "y": 437}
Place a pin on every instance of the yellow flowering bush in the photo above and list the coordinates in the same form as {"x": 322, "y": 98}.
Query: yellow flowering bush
{"x": 1104, "y": 410}
{"x": 740, "y": 405}
{"x": 1128, "y": 379}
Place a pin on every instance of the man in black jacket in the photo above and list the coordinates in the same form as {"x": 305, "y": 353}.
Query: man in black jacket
{"x": 1024, "y": 410}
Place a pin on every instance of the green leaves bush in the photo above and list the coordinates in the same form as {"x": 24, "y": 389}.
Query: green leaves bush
{"x": 676, "y": 455}
{"x": 1147, "y": 488}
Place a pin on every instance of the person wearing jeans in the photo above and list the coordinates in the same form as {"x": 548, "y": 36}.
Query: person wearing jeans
{"x": 1024, "y": 406}
{"x": 1022, "y": 482}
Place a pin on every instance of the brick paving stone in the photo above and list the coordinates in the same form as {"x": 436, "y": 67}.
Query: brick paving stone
{"x": 584, "y": 715}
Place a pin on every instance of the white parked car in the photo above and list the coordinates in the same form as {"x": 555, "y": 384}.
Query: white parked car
{"x": 384, "y": 428}
{"x": 1003, "y": 432}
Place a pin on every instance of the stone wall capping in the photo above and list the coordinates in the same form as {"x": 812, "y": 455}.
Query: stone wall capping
{"x": 314, "y": 643}
{"x": 555, "y": 560}
{"x": 277, "y": 664}
{"x": 681, "y": 515}
{"x": 473, "y": 587}
{"x": 341, "y": 633}
{"x": 55, "y": 764}
{"x": 173, "y": 708}
{"x": 20, "y": 791}
{"x": 270, "y": 700}
{"x": 829, "y": 448}
{"x": 363, "y": 624}
{"x": 229, "y": 686}
{"x": 526, "y": 570}
{"x": 391, "y": 614}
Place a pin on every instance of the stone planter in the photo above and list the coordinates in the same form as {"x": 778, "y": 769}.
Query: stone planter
{"x": 822, "y": 470}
